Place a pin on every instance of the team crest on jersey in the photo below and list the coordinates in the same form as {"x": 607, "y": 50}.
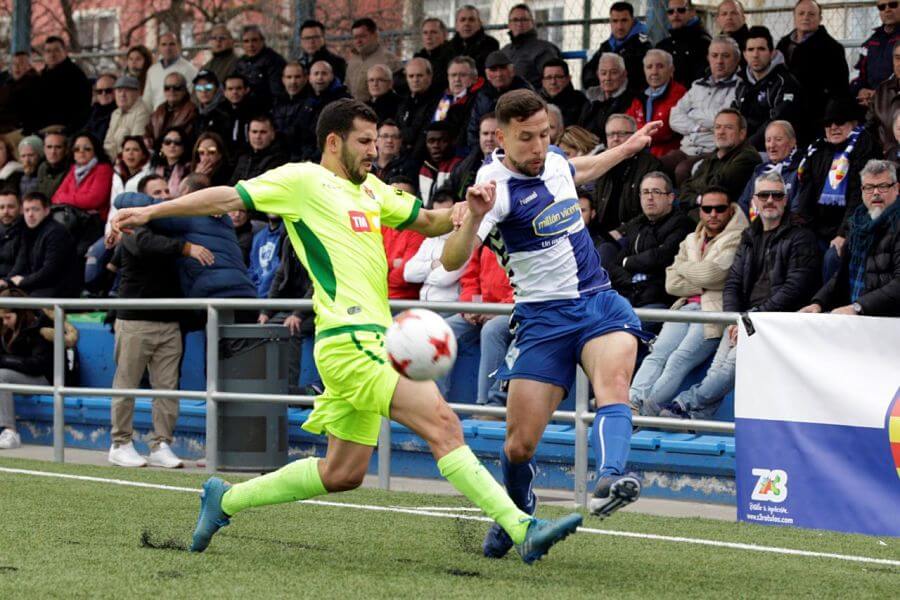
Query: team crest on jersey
{"x": 557, "y": 218}
{"x": 368, "y": 191}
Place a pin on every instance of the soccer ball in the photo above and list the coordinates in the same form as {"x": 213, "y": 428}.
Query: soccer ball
{"x": 420, "y": 345}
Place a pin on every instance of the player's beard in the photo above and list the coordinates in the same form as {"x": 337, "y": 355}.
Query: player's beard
{"x": 525, "y": 168}
{"x": 353, "y": 166}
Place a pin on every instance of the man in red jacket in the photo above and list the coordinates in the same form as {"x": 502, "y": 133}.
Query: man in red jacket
{"x": 400, "y": 245}
{"x": 484, "y": 280}
{"x": 657, "y": 101}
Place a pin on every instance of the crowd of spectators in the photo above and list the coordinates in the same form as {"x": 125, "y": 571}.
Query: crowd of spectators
{"x": 769, "y": 186}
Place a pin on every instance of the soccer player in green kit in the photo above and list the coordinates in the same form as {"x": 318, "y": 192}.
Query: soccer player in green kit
{"x": 333, "y": 212}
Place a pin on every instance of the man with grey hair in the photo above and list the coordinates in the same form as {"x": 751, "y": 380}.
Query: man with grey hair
{"x": 170, "y": 61}
{"x": 383, "y": 98}
{"x": 470, "y": 38}
{"x": 776, "y": 269}
{"x": 611, "y": 96}
{"x": 221, "y": 45}
{"x": 688, "y": 42}
{"x": 657, "y": 101}
{"x": 783, "y": 157}
{"x": 455, "y": 105}
{"x": 436, "y": 49}
{"x": 694, "y": 115}
{"x": 868, "y": 282}
{"x": 261, "y": 66}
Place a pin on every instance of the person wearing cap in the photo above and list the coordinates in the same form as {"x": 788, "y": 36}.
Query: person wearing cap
{"x": 103, "y": 106}
{"x": 527, "y": 52}
{"x": 130, "y": 116}
{"x": 31, "y": 154}
{"x": 170, "y": 61}
{"x": 224, "y": 59}
{"x": 501, "y": 77}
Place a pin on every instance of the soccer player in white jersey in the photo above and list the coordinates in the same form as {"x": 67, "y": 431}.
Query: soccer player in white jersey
{"x": 566, "y": 312}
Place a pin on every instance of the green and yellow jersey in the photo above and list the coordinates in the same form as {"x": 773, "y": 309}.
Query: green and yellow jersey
{"x": 335, "y": 228}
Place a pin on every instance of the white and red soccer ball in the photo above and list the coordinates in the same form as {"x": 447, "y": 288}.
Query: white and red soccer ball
{"x": 420, "y": 345}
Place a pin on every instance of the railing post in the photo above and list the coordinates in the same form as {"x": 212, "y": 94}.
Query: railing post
{"x": 384, "y": 455}
{"x": 59, "y": 380}
{"x": 581, "y": 438}
{"x": 212, "y": 381}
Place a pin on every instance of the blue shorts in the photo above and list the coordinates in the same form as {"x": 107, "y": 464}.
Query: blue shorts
{"x": 549, "y": 336}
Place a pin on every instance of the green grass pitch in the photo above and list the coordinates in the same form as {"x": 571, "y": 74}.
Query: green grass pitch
{"x": 81, "y": 539}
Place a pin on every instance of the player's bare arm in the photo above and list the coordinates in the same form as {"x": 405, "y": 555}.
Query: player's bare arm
{"x": 211, "y": 201}
{"x": 589, "y": 168}
{"x": 460, "y": 245}
{"x": 432, "y": 223}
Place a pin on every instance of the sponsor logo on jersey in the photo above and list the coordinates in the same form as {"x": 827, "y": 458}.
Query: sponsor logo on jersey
{"x": 557, "y": 218}
{"x": 529, "y": 198}
{"x": 359, "y": 221}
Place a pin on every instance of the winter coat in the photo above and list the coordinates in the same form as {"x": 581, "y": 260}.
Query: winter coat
{"x": 20, "y": 103}
{"x": 286, "y": 110}
{"x": 665, "y": 139}
{"x": 401, "y": 165}
{"x": 440, "y": 59}
{"x": 154, "y": 92}
{"x": 830, "y": 221}
{"x": 788, "y": 174}
{"x": 463, "y": 174}
{"x": 484, "y": 277}
{"x": 265, "y": 256}
{"x": 485, "y": 101}
{"x": 597, "y": 112}
{"x": 528, "y": 54}
{"x": 304, "y": 145}
{"x": 570, "y": 101}
{"x": 227, "y": 276}
{"x": 92, "y": 194}
{"x": 123, "y": 124}
{"x": 257, "y": 162}
{"x": 792, "y": 262}
{"x": 413, "y": 116}
{"x": 617, "y": 198}
{"x": 11, "y": 173}
{"x": 49, "y": 177}
{"x": 777, "y": 96}
{"x": 263, "y": 71}
{"x": 820, "y": 65}
{"x": 876, "y": 61}
{"x": 881, "y": 111}
{"x": 29, "y": 353}
{"x": 699, "y": 272}
{"x": 10, "y": 241}
{"x": 338, "y": 64}
{"x": 401, "y": 244}
{"x": 386, "y": 105}
{"x": 730, "y": 171}
{"x": 47, "y": 261}
{"x": 64, "y": 96}
{"x": 688, "y": 46}
{"x": 358, "y": 68}
{"x": 147, "y": 269}
{"x": 881, "y": 289}
{"x": 632, "y": 50}
{"x": 693, "y": 116}
{"x": 98, "y": 120}
{"x": 292, "y": 281}
{"x": 477, "y": 46}
{"x": 639, "y": 271}
{"x": 222, "y": 64}
{"x": 183, "y": 116}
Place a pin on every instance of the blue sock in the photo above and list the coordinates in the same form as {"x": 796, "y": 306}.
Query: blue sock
{"x": 611, "y": 439}
{"x": 518, "y": 480}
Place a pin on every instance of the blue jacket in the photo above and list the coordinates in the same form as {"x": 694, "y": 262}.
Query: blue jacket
{"x": 791, "y": 185}
{"x": 265, "y": 256}
{"x": 227, "y": 277}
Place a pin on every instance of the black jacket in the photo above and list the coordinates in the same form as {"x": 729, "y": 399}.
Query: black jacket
{"x": 47, "y": 261}
{"x": 29, "y": 353}
{"x": 65, "y": 80}
{"x": 652, "y": 247}
{"x": 597, "y": 111}
{"x": 632, "y": 52}
{"x": 264, "y": 73}
{"x": 731, "y": 171}
{"x": 292, "y": 281}
{"x": 147, "y": 270}
{"x": 286, "y": 110}
{"x": 98, "y": 120}
{"x": 820, "y": 65}
{"x": 400, "y": 165}
{"x": 413, "y": 116}
{"x": 528, "y": 54}
{"x": 776, "y": 96}
{"x": 688, "y": 47}
{"x": 463, "y": 174}
{"x": 303, "y": 144}
{"x": 338, "y": 64}
{"x": 830, "y": 221}
{"x": 485, "y": 101}
{"x": 881, "y": 289}
{"x": 570, "y": 101}
{"x": 232, "y": 123}
{"x": 478, "y": 46}
{"x": 617, "y": 198}
{"x": 440, "y": 59}
{"x": 10, "y": 240}
{"x": 386, "y": 106}
{"x": 253, "y": 163}
{"x": 792, "y": 262}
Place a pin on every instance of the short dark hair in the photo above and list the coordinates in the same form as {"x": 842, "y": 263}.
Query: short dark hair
{"x": 402, "y": 180}
{"x": 338, "y": 118}
{"x": 715, "y": 189}
{"x": 9, "y": 190}
{"x": 758, "y": 31}
{"x": 556, "y": 62}
{"x": 742, "y": 120}
{"x": 310, "y": 24}
{"x": 444, "y": 194}
{"x": 520, "y": 6}
{"x": 365, "y": 22}
{"x": 55, "y": 39}
{"x": 440, "y": 22}
{"x": 518, "y": 104}
{"x": 622, "y": 7}
{"x": 146, "y": 179}
{"x": 39, "y": 196}
{"x": 389, "y": 123}
{"x": 236, "y": 75}
{"x": 195, "y": 181}
{"x": 22, "y": 53}
{"x": 263, "y": 118}
{"x": 486, "y": 116}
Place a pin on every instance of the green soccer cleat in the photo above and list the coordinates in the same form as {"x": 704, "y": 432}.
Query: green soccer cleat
{"x": 212, "y": 517}
{"x": 542, "y": 535}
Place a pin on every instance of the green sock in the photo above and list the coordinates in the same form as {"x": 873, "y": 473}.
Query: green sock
{"x": 298, "y": 480}
{"x": 463, "y": 469}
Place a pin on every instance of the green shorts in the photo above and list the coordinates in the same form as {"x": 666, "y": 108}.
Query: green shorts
{"x": 359, "y": 385}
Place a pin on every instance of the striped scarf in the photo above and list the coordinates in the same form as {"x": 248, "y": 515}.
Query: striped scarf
{"x": 862, "y": 235}
{"x": 834, "y": 190}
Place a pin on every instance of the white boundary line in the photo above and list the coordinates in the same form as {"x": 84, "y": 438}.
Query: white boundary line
{"x": 435, "y": 512}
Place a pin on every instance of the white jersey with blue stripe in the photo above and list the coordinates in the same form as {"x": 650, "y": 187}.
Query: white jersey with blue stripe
{"x": 543, "y": 243}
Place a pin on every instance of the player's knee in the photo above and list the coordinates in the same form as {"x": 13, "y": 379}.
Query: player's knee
{"x": 343, "y": 479}
{"x": 519, "y": 450}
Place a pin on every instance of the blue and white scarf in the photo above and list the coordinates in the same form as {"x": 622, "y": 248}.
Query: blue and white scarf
{"x": 834, "y": 190}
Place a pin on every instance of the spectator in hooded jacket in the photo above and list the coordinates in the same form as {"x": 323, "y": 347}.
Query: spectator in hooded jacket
{"x": 265, "y": 255}
{"x": 313, "y": 49}
{"x": 628, "y": 39}
{"x": 875, "y": 61}
{"x": 657, "y": 101}
{"x": 557, "y": 89}
{"x": 262, "y": 67}
{"x": 688, "y": 42}
{"x": 170, "y": 61}
{"x": 527, "y": 52}
{"x": 612, "y": 96}
{"x": 470, "y": 38}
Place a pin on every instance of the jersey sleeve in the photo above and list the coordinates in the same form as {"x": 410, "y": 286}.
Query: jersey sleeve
{"x": 498, "y": 211}
{"x": 398, "y": 209}
{"x": 283, "y": 191}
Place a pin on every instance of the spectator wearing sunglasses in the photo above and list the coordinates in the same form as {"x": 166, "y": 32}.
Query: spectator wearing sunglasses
{"x": 696, "y": 277}
{"x": 130, "y": 117}
{"x": 103, "y": 106}
{"x": 876, "y": 64}
{"x": 173, "y": 158}
{"x": 176, "y": 111}
{"x": 170, "y": 61}
{"x": 688, "y": 42}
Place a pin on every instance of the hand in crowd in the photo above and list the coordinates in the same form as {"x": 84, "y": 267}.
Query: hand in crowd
{"x": 111, "y": 239}
{"x": 812, "y": 308}
{"x": 864, "y": 97}
{"x": 732, "y": 332}
{"x": 838, "y": 244}
{"x": 201, "y": 255}
{"x": 129, "y": 218}
{"x": 262, "y": 319}
{"x": 293, "y": 323}
{"x": 844, "y": 310}
{"x": 480, "y": 198}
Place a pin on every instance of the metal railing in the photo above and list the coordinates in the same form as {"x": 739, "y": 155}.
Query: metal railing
{"x": 581, "y": 417}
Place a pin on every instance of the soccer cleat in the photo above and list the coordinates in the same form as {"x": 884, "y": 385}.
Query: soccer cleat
{"x": 212, "y": 517}
{"x": 496, "y": 543}
{"x": 612, "y": 493}
{"x": 542, "y": 535}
